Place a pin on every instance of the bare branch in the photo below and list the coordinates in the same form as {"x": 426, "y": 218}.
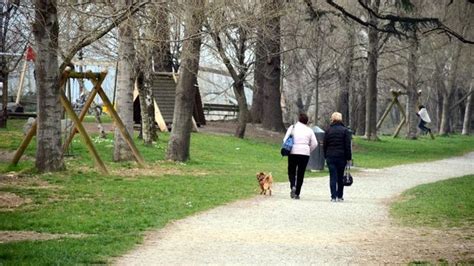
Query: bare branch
{"x": 85, "y": 41}
{"x": 439, "y": 26}
{"x": 401, "y": 84}
{"x": 390, "y": 27}
{"x": 316, "y": 14}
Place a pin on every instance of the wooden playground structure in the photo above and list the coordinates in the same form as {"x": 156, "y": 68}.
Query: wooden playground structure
{"x": 96, "y": 79}
{"x": 395, "y": 101}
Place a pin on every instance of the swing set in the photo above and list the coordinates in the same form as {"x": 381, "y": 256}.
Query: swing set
{"x": 96, "y": 79}
{"x": 395, "y": 101}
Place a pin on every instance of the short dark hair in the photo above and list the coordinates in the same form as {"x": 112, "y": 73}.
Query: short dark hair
{"x": 303, "y": 118}
{"x": 421, "y": 106}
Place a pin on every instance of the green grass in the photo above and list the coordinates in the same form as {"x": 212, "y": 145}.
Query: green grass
{"x": 389, "y": 151}
{"x": 448, "y": 203}
{"x": 105, "y": 118}
{"x": 114, "y": 211}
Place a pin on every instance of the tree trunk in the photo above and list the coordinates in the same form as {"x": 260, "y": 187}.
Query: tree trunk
{"x": 145, "y": 121}
{"x": 243, "y": 109}
{"x": 362, "y": 108}
{"x": 440, "y": 86}
{"x": 316, "y": 95}
{"x": 342, "y": 104}
{"x": 466, "y": 126}
{"x": 48, "y": 137}
{"x": 259, "y": 77}
{"x": 444, "y": 127}
{"x": 237, "y": 77}
{"x": 371, "y": 97}
{"x": 3, "y": 67}
{"x": 125, "y": 83}
{"x": 460, "y": 108}
{"x": 149, "y": 100}
{"x": 178, "y": 145}
{"x": 448, "y": 94}
{"x": 272, "y": 116}
{"x": 4, "y": 112}
{"x": 412, "y": 99}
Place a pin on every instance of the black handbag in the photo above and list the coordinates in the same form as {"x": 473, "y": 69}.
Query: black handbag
{"x": 347, "y": 179}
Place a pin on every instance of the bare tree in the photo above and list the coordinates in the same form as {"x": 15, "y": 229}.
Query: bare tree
{"x": 342, "y": 102}
{"x": 457, "y": 15}
{"x": 412, "y": 85}
{"x": 372, "y": 59}
{"x": 466, "y": 128}
{"x": 46, "y": 33}
{"x": 125, "y": 84}
{"x": 309, "y": 57}
{"x": 153, "y": 51}
{"x": 260, "y": 58}
{"x": 179, "y": 143}
{"x": 272, "y": 116}
{"x": 232, "y": 43}
{"x": 46, "y": 30}
{"x": 146, "y": 103}
{"x": 395, "y": 25}
{"x": 162, "y": 58}
{"x": 13, "y": 42}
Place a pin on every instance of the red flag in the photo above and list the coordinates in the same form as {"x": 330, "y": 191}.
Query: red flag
{"x": 30, "y": 54}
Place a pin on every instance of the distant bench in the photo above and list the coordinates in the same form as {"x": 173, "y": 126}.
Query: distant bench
{"x": 21, "y": 115}
{"x": 227, "y": 109}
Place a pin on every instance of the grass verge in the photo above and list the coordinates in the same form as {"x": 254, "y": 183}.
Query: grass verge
{"x": 389, "y": 151}
{"x": 448, "y": 203}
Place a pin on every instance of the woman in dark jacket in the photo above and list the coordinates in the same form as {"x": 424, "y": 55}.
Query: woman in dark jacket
{"x": 338, "y": 153}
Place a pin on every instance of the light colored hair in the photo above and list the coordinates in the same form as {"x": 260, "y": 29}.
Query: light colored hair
{"x": 336, "y": 117}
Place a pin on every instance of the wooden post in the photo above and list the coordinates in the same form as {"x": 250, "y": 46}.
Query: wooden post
{"x": 67, "y": 105}
{"x": 401, "y": 109}
{"x": 195, "y": 127}
{"x": 404, "y": 120}
{"x": 385, "y": 114}
{"x": 97, "y": 84}
{"x": 24, "y": 144}
{"x": 397, "y": 131}
{"x": 159, "y": 118}
{"x": 22, "y": 80}
{"x": 121, "y": 127}
{"x": 78, "y": 124}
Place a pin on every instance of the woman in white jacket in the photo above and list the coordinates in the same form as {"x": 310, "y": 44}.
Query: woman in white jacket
{"x": 304, "y": 143}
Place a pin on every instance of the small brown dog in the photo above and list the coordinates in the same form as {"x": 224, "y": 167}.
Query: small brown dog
{"x": 265, "y": 181}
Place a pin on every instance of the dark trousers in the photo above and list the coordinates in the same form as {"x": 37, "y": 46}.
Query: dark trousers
{"x": 422, "y": 126}
{"x": 296, "y": 167}
{"x": 336, "y": 168}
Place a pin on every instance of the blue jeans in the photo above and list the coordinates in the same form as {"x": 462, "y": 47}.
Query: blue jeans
{"x": 422, "y": 126}
{"x": 336, "y": 168}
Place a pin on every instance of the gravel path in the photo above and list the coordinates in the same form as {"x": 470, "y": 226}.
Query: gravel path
{"x": 313, "y": 230}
